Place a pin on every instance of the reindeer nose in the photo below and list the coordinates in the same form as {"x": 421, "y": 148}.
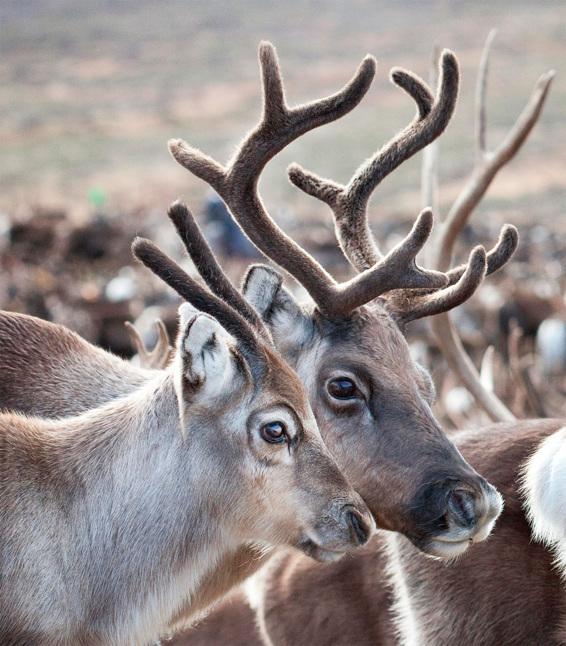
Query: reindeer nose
{"x": 359, "y": 528}
{"x": 462, "y": 508}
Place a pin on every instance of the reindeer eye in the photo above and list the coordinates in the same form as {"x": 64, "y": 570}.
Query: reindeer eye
{"x": 274, "y": 432}
{"x": 342, "y": 388}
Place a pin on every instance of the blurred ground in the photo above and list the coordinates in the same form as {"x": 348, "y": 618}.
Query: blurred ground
{"x": 92, "y": 91}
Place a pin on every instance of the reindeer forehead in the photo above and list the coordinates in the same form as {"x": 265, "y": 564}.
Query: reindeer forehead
{"x": 370, "y": 332}
{"x": 282, "y": 380}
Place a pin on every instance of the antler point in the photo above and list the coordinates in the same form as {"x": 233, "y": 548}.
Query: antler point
{"x": 370, "y": 62}
{"x": 478, "y": 255}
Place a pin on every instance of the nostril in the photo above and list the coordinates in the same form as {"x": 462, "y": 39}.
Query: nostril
{"x": 361, "y": 531}
{"x": 461, "y": 504}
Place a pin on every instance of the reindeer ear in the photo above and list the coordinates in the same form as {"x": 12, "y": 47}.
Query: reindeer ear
{"x": 204, "y": 349}
{"x": 264, "y": 291}
{"x": 186, "y": 313}
{"x": 260, "y": 288}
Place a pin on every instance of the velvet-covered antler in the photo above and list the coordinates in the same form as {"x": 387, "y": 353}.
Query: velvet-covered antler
{"x": 237, "y": 186}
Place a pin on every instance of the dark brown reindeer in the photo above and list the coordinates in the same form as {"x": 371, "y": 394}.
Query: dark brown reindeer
{"x": 421, "y": 492}
{"x": 411, "y": 476}
{"x": 504, "y": 591}
{"x": 119, "y": 525}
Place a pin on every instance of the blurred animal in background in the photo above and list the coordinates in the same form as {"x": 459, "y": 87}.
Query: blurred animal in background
{"x": 224, "y": 235}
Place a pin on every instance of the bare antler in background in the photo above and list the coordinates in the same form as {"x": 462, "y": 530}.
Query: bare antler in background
{"x": 486, "y": 167}
{"x": 162, "y": 353}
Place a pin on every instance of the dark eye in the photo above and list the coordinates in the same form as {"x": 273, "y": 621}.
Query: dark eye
{"x": 274, "y": 432}
{"x": 342, "y": 388}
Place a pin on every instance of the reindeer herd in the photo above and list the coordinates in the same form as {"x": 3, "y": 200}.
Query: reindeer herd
{"x": 276, "y": 434}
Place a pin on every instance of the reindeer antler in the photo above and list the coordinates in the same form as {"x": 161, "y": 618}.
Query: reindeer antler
{"x": 237, "y": 186}
{"x": 226, "y": 304}
{"x": 168, "y": 270}
{"x": 349, "y": 203}
{"x": 159, "y": 357}
{"x": 210, "y": 271}
{"x": 487, "y": 165}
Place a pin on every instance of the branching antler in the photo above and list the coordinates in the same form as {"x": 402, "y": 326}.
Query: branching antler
{"x": 207, "y": 266}
{"x": 237, "y": 186}
{"x": 226, "y": 304}
{"x": 487, "y": 165}
{"x": 349, "y": 203}
{"x": 159, "y": 357}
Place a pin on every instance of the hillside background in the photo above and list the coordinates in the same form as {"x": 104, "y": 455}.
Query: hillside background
{"x": 91, "y": 92}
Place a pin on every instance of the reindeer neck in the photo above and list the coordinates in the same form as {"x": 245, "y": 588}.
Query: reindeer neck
{"x": 125, "y": 488}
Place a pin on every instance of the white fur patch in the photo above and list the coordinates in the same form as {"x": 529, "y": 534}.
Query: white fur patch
{"x": 545, "y": 486}
{"x": 186, "y": 313}
{"x": 212, "y": 364}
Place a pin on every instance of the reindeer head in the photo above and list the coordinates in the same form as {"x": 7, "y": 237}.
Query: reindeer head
{"x": 372, "y": 402}
{"x": 248, "y": 414}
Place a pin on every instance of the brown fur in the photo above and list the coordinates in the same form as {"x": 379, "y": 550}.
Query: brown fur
{"x": 505, "y": 591}
{"x": 232, "y": 623}
{"x": 43, "y": 369}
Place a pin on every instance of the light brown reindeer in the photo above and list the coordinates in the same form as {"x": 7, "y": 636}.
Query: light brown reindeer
{"x": 118, "y": 523}
{"x": 395, "y": 454}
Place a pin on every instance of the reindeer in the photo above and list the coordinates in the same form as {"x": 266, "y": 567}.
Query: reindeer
{"x": 504, "y": 591}
{"x": 117, "y": 521}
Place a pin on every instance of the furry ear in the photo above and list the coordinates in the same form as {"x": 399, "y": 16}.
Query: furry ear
{"x": 186, "y": 313}
{"x": 264, "y": 291}
{"x": 260, "y": 288}
{"x": 204, "y": 350}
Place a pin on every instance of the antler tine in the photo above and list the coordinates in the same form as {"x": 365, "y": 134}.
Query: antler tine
{"x": 418, "y": 306}
{"x": 157, "y": 358}
{"x": 481, "y": 86}
{"x": 237, "y": 186}
{"x": 497, "y": 257}
{"x": 170, "y": 272}
{"x": 279, "y": 126}
{"x": 487, "y": 163}
{"x": 207, "y": 266}
{"x": 349, "y": 203}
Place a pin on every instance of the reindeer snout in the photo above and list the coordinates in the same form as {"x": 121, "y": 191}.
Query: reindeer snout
{"x": 449, "y": 515}
{"x": 461, "y": 507}
{"x": 340, "y": 529}
{"x": 473, "y": 511}
{"x": 360, "y": 528}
